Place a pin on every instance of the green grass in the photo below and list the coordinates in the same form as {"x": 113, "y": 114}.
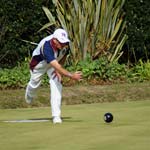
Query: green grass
{"x": 83, "y": 128}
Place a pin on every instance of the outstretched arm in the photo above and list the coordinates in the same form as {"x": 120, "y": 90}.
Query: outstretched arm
{"x": 61, "y": 70}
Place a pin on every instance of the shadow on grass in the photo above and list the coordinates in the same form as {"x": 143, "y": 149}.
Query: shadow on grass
{"x": 65, "y": 119}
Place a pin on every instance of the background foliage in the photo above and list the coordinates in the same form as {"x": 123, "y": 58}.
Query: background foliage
{"x": 138, "y": 31}
{"x": 94, "y": 27}
{"x": 19, "y": 20}
{"x": 99, "y": 71}
{"x": 22, "y": 19}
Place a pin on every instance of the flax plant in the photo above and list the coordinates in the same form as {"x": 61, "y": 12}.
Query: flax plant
{"x": 94, "y": 26}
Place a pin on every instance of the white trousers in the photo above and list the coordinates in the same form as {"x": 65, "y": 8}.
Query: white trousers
{"x": 55, "y": 86}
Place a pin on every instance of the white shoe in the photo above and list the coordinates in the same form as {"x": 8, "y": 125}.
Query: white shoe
{"x": 57, "y": 120}
{"x": 28, "y": 98}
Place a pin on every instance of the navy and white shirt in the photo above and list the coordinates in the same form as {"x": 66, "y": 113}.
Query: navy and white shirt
{"x": 44, "y": 51}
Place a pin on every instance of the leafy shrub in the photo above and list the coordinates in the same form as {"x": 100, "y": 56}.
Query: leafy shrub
{"x": 14, "y": 78}
{"x": 17, "y": 77}
{"x": 100, "y": 68}
{"x": 140, "y": 72}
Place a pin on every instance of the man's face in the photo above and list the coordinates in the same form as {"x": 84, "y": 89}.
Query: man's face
{"x": 60, "y": 46}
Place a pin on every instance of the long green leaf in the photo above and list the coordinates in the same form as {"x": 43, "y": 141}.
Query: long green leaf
{"x": 46, "y": 26}
{"x": 118, "y": 48}
{"x": 49, "y": 15}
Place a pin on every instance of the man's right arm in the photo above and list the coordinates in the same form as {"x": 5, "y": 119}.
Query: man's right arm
{"x": 61, "y": 70}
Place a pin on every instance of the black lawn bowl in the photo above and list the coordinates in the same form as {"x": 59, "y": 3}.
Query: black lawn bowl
{"x": 108, "y": 117}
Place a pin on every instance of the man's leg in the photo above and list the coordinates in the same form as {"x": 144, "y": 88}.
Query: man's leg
{"x": 34, "y": 83}
{"x": 56, "y": 96}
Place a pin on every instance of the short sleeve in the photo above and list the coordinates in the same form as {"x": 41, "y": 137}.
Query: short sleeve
{"x": 48, "y": 52}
